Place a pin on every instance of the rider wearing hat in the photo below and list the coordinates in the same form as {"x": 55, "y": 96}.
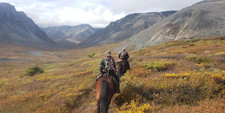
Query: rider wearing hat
{"x": 125, "y": 56}
{"x": 105, "y": 63}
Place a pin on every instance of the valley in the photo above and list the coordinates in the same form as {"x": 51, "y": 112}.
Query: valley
{"x": 178, "y": 76}
{"x": 177, "y": 61}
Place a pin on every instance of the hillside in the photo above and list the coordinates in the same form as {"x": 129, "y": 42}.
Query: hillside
{"x": 69, "y": 36}
{"x": 178, "y": 76}
{"x": 204, "y": 19}
{"x": 125, "y": 28}
{"x": 17, "y": 28}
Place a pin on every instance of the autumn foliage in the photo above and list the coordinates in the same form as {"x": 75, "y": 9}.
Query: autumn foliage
{"x": 178, "y": 76}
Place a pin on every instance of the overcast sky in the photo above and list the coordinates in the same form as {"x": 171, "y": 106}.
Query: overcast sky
{"x": 97, "y": 13}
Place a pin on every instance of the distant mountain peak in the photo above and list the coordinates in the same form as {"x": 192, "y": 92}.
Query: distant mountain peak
{"x": 17, "y": 28}
{"x": 69, "y": 36}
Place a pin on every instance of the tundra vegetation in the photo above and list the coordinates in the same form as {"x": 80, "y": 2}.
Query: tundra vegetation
{"x": 178, "y": 76}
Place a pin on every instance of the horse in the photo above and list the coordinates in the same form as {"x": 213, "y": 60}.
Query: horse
{"x": 105, "y": 89}
{"x": 122, "y": 68}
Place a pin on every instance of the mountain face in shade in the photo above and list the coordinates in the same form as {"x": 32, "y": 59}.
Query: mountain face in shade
{"x": 201, "y": 20}
{"x": 17, "y": 28}
{"x": 125, "y": 28}
{"x": 69, "y": 36}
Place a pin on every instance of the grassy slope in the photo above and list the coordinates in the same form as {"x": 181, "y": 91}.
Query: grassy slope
{"x": 181, "y": 76}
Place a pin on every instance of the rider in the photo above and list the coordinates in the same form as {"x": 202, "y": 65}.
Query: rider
{"x": 105, "y": 63}
{"x": 124, "y": 56}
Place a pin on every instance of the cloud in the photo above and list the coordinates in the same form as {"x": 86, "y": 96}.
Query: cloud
{"x": 97, "y": 13}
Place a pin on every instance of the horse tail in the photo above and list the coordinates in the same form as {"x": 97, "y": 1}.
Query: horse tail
{"x": 104, "y": 95}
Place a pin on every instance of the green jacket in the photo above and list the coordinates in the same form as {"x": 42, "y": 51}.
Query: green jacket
{"x": 102, "y": 64}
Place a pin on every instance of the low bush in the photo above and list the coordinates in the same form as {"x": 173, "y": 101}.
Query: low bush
{"x": 218, "y": 76}
{"x": 169, "y": 91}
{"x": 91, "y": 55}
{"x": 33, "y": 70}
{"x": 159, "y": 66}
{"x": 178, "y": 75}
{"x": 193, "y": 40}
{"x": 135, "y": 107}
{"x": 198, "y": 59}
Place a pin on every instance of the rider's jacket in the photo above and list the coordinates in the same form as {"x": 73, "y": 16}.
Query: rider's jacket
{"x": 123, "y": 55}
{"x": 106, "y": 63}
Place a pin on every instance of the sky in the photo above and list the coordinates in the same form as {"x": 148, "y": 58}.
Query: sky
{"x": 97, "y": 13}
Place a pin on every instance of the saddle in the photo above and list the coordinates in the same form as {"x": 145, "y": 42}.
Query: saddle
{"x": 116, "y": 82}
{"x": 120, "y": 61}
{"x": 105, "y": 75}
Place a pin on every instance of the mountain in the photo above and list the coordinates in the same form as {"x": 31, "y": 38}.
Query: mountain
{"x": 125, "y": 28}
{"x": 204, "y": 19}
{"x": 17, "y": 28}
{"x": 69, "y": 36}
{"x": 77, "y": 33}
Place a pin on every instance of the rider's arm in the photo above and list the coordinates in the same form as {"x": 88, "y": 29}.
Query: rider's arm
{"x": 119, "y": 55}
{"x": 101, "y": 65}
{"x": 127, "y": 55}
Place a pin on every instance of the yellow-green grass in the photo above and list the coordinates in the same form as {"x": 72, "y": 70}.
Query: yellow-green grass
{"x": 161, "y": 79}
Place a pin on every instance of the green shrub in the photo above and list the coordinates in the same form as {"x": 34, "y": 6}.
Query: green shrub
{"x": 193, "y": 40}
{"x": 33, "y": 70}
{"x": 191, "y": 44}
{"x": 198, "y": 59}
{"x": 91, "y": 55}
{"x": 159, "y": 66}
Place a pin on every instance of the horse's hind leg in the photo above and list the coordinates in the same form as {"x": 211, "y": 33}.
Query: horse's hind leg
{"x": 98, "y": 106}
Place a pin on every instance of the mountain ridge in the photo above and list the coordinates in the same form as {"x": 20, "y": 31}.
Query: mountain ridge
{"x": 69, "y": 36}
{"x": 201, "y": 20}
{"x": 17, "y": 28}
{"x": 124, "y": 28}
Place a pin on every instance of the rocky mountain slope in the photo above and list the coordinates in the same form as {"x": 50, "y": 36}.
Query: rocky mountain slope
{"x": 76, "y": 33}
{"x": 69, "y": 36}
{"x": 17, "y": 28}
{"x": 125, "y": 28}
{"x": 204, "y": 19}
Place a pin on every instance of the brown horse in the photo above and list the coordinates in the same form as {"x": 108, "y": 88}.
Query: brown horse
{"x": 122, "y": 68}
{"x": 105, "y": 89}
